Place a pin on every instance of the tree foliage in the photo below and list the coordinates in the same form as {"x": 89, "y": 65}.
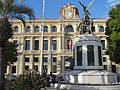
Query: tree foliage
{"x": 113, "y": 30}
{"x": 9, "y": 10}
{"x": 10, "y": 53}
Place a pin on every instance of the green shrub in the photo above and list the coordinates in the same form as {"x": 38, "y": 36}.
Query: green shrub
{"x": 29, "y": 80}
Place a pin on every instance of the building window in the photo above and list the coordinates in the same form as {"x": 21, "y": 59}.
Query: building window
{"x": 69, "y": 29}
{"x": 45, "y": 29}
{"x": 69, "y": 44}
{"x": 79, "y": 55}
{"x": 54, "y": 29}
{"x": 54, "y": 43}
{"x": 15, "y": 42}
{"x": 26, "y": 67}
{"x": 27, "y": 45}
{"x": 37, "y": 29}
{"x": 28, "y": 29}
{"x": 45, "y": 45}
{"x": 36, "y": 45}
{"x": 99, "y": 56}
{"x": 16, "y": 29}
{"x": 45, "y": 68}
{"x": 54, "y": 59}
{"x": 13, "y": 69}
{"x": 90, "y": 55}
{"x": 45, "y": 59}
{"x": 103, "y": 44}
{"x": 35, "y": 59}
{"x": 104, "y": 59}
{"x": 105, "y": 67}
{"x": 27, "y": 59}
{"x": 36, "y": 68}
{"x": 93, "y": 28}
{"x": 101, "y": 29}
{"x": 54, "y": 68}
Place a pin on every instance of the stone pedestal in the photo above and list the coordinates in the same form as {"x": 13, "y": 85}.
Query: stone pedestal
{"x": 88, "y": 52}
{"x": 88, "y": 68}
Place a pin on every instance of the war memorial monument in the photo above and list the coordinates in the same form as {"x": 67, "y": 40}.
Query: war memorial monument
{"x": 88, "y": 61}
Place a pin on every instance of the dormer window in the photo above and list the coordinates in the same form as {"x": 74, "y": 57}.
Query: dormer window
{"x": 16, "y": 29}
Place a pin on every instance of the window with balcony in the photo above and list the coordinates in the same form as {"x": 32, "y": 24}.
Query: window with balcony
{"x": 45, "y": 45}
{"x": 26, "y": 67}
{"x": 69, "y": 44}
{"x": 36, "y": 67}
{"x": 69, "y": 29}
{"x": 37, "y": 29}
{"x": 45, "y": 29}
{"x": 54, "y": 59}
{"x": 54, "y": 29}
{"x": 54, "y": 43}
{"x": 45, "y": 68}
{"x": 36, "y": 45}
{"x": 45, "y": 59}
{"x": 28, "y": 29}
{"x": 13, "y": 69}
{"x": 27, "y": 59}
{"x": 54, "y": 68}
{"x": 35, "y": 59}
{"x": 27, "y": 45}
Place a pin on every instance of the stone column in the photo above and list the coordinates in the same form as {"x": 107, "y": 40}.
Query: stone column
{"x": 31, "y": 53}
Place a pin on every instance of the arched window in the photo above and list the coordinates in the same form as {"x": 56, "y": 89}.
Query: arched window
{"x": 28, "y": 29}
{"x": 37, "y": 29}
{"x": 54, "y": 29}
{"x": 101, "y": 29}
{"x": 16, "y": 29}
{"x": 69, "y": 29}
{"x": 45, "y": 29}
{"x": 93, "y": 28}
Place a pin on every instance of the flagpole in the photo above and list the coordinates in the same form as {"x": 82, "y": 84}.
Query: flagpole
{"x": 52, "y": 60}
{"x": 42, "y": 39}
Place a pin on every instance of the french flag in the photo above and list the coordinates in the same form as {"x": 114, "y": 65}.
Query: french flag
{"x": 70, "y": 45}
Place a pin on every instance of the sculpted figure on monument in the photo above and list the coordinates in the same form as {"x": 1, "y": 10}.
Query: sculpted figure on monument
{"x": 85, "y": 24}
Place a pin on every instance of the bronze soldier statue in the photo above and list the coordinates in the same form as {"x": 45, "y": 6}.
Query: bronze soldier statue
{"x": 85, "y": 25}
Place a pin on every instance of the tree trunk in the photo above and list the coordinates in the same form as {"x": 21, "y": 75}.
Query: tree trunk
{"x": 2, "y": 67}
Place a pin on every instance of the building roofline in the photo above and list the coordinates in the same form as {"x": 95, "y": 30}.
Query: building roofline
{"x": 39, "y": 19}
{"x": 100, "y": 18}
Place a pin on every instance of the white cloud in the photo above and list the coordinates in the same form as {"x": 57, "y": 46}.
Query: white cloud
{"x": 112, "y": 2}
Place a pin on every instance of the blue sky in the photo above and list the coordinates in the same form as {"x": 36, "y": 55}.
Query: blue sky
{"x": 98, "y": 9}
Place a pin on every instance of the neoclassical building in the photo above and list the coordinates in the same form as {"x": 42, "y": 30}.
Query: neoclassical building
{"x": 57, "y": 32}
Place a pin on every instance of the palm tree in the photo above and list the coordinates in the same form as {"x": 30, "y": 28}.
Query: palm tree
{"x": 9, "y": 10}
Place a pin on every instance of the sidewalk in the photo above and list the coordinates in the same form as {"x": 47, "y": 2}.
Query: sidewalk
{"x": 51, "y": 88}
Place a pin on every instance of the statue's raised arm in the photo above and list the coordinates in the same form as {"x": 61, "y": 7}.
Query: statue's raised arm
{"x": 85, "y": 9}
